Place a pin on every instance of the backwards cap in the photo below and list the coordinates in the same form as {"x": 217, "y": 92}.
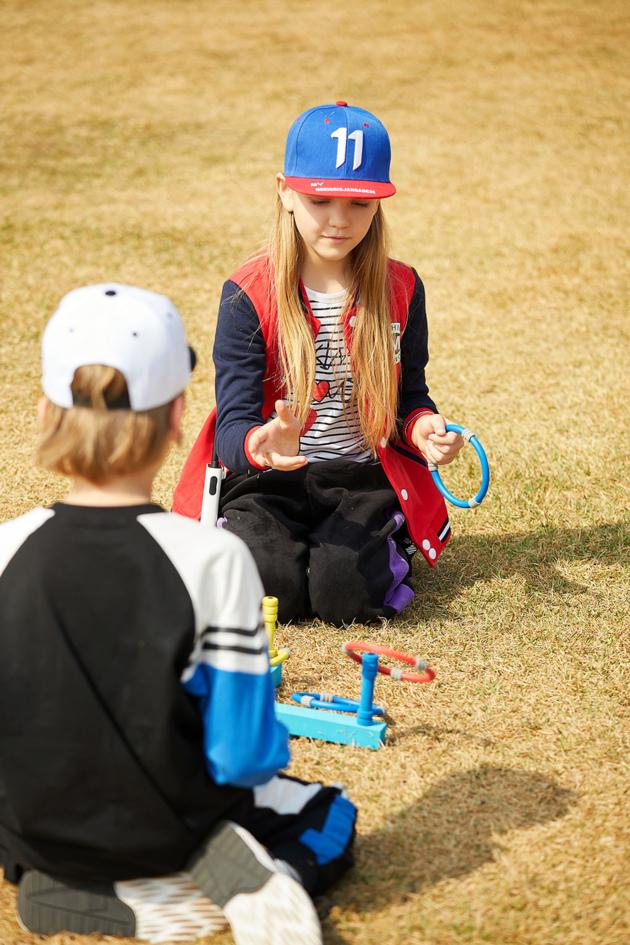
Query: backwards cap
{"x": 140, "y": 333}
{"x": 338, "y": 151}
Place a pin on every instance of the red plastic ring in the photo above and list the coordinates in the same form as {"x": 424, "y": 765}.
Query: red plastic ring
{"x": 354, "y": 649}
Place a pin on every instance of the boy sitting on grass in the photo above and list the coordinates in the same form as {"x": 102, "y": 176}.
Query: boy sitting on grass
{"x": 139, "y": 749}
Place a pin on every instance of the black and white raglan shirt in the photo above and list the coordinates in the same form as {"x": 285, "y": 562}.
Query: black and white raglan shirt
{"x": 136, "y": 701}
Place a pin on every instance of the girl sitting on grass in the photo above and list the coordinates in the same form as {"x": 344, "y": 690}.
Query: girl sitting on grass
{"x": 324, "y": 421}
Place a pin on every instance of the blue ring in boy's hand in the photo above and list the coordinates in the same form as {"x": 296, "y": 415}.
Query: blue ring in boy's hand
{"x": 485, "y": 471}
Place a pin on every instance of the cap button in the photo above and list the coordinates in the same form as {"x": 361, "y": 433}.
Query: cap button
{"x": 341, "y": 103}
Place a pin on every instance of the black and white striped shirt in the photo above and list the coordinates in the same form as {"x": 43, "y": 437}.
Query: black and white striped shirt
{"x": 336, "y": 431}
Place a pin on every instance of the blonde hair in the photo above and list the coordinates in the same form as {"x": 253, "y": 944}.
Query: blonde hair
{"x": 375, "y": 384}
{"x": 96, "y": 442}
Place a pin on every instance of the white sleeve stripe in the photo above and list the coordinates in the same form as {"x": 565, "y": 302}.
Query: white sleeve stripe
{"x": 218, "y": 641}
{"x": 205, "y": 646}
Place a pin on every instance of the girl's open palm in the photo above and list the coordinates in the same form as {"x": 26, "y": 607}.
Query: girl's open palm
{"x": 277, "y": 443}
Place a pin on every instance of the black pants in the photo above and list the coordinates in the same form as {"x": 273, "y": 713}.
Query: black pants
{"x": 329, "y": 539}
{"x": 308, "y": 825}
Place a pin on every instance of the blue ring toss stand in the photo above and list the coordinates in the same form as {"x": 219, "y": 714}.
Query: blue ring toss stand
{"x": 360, "y": 728}
{"x": 485, "y": 471}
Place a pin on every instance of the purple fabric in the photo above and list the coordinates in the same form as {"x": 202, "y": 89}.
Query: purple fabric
{"x": 398, "y": 595}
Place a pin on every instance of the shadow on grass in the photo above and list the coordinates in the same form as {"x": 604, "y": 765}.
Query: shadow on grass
{"x": 531, "y": 555}
{"x": 437, "y": 733}
{"x": 449, "y": 832}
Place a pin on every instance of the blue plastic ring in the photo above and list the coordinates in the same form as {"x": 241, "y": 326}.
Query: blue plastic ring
{"x": 485, "y": 471}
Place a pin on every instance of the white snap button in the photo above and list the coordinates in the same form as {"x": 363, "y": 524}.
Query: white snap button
{"x": 404, "y": 494}
{"x": 432, "y": 554}
{"x": 353, "y": 320}
{"x": 426, "y": 544}
{"x": 384, "y": 442}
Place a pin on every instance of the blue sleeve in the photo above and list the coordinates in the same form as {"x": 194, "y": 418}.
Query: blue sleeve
{"x": 414, "y": 356}
{"x": 239, "y": 359}
{"x": 244, "y": 743}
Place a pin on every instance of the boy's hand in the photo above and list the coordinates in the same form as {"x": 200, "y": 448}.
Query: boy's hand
{"x": 430, "y": 437}
{"x": 276, "y": 444}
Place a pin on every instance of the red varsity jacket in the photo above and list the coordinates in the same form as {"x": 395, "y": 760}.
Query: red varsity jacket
{"x": 405, "y": 467}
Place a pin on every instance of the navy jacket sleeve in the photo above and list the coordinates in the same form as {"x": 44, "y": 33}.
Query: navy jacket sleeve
{"x": 239, "y": 359}
{"x": 414, "y": 355}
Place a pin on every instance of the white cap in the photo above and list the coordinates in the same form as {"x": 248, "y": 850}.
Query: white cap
{"x": 140, "y": 333}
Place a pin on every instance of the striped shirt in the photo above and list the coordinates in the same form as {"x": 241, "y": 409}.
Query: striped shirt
{"x": 335, "y": 431}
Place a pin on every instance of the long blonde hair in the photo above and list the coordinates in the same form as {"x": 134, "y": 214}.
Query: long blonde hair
{"x": 375, "y": 386}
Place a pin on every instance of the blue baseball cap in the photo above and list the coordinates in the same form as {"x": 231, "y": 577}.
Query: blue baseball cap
{"x": 338, "y": 151}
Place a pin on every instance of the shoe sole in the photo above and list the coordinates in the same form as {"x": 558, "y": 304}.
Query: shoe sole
{"x": 228, "y": 865}
{"x": 170, "y": 908}
{"x": 46, "y": 905}
{"x": 262, "y": 905}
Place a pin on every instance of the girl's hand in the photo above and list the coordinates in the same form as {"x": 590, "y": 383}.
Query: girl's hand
{"x": 430, "y": 437}
{"x": 276, "y": 444}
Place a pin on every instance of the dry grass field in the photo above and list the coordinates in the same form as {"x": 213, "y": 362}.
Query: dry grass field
{"x": 140, "y": 143}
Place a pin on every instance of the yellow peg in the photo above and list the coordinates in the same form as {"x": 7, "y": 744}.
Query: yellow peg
{"x": 270, "y": 619}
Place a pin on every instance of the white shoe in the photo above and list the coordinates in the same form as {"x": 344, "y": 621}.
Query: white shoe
{"x": 263, "y": 904}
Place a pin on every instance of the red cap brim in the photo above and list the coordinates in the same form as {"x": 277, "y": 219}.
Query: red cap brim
{"x": 366, "y": 189}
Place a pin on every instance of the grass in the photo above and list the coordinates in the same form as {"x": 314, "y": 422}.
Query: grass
{"x": 141, "y": 141}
